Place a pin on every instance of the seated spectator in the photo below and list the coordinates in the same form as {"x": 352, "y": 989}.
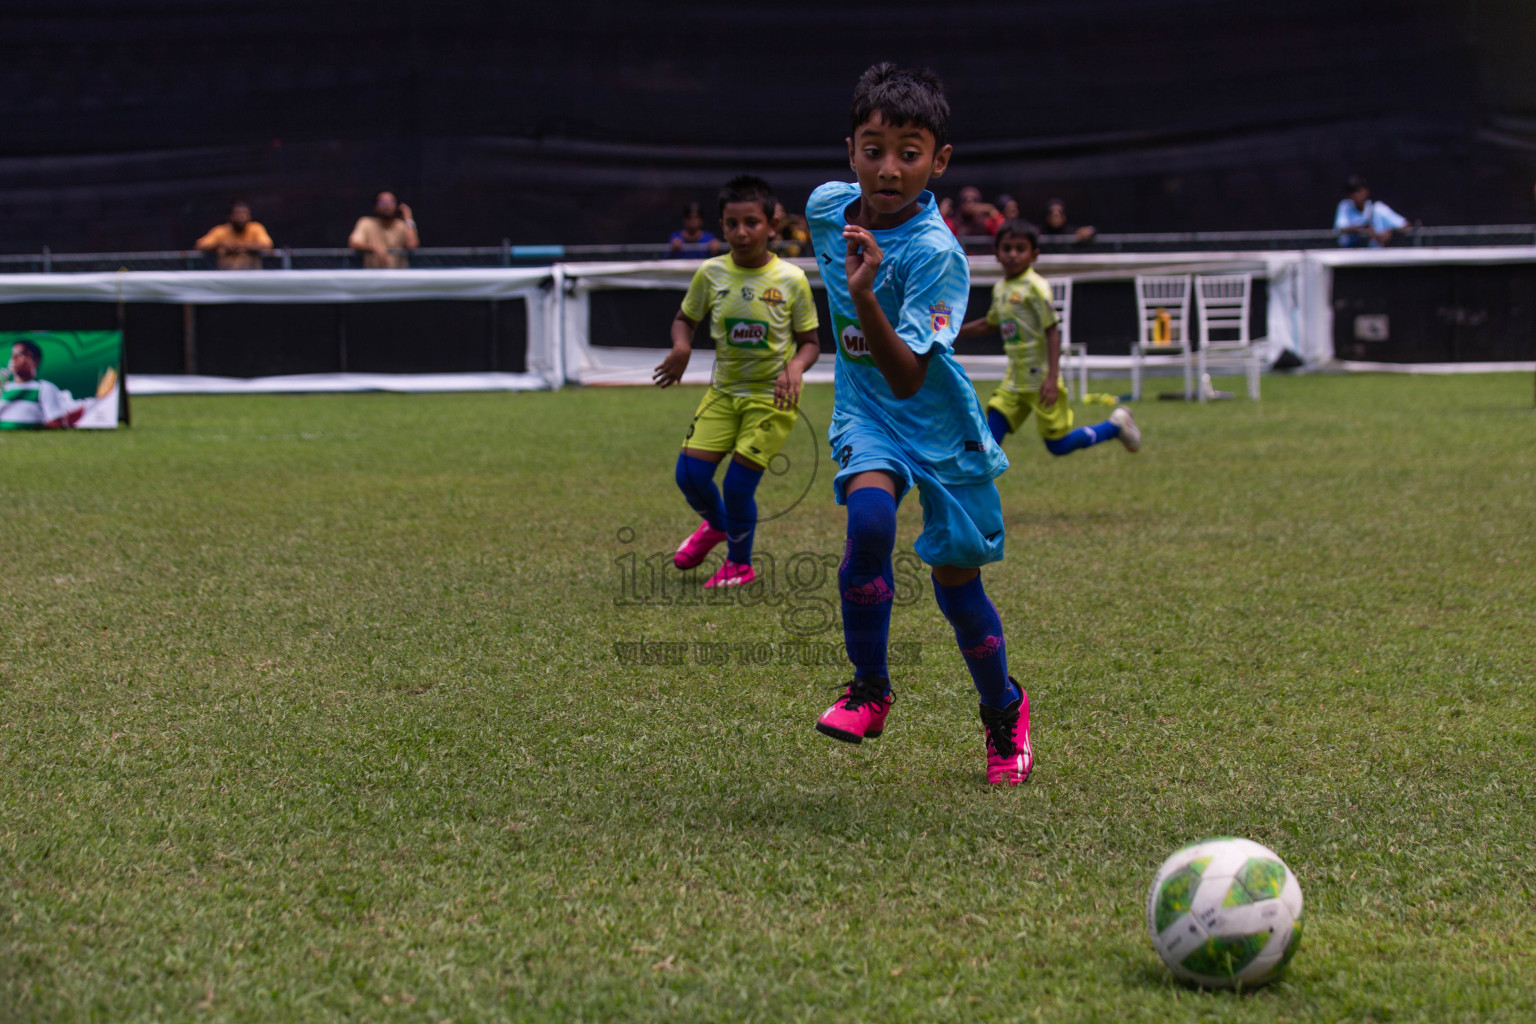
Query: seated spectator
{"x": 1057, "y": 223}
{"x": 1008, "y": 207}
{"x": 693, "y": 242}
{"x": 947, "y": 211}
{"x": 792, "y": 237}
{"x": 385, "y": 236}
{"x": 1360, "y": 220}
{"x": 238, "y": 244}
{"x": 976, "y": 217}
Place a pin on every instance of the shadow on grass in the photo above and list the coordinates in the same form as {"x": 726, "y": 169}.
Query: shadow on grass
{"x": 1152, "y": 974}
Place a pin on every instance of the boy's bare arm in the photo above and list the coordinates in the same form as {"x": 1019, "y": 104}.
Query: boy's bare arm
{"x": 976, "y": 328}
{"x": 1052, "y": 365}
{"x": 670, "y": 370}
{"x": 904, "y": 370}
{"x": 786, "y": 390}
{"x": 807, "y": 350}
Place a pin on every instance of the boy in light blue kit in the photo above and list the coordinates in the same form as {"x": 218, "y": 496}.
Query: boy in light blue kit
{"x": 906, "y": 414}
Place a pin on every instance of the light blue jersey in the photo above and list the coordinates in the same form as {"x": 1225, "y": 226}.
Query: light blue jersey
{"x": 922, "y": 285}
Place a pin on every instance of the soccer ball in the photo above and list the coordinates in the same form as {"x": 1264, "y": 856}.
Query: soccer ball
{"x": 1225, "y": 913}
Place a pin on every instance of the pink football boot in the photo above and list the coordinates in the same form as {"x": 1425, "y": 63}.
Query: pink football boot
{"x": 697, "y": 547}
{"x": 731, "y": 574}
{"x": 859, "y": 713}
{"x": 1009, "y": 755}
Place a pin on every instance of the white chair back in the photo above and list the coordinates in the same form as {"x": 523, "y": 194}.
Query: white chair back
{"x": 1061, "y": 299}
{"x": 1223, "y": 301}
{"x": 1157, "y": 296}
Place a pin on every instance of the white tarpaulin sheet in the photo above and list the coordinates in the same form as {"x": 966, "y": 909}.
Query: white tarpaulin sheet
{"x": 218, "y": 287}
{"x": 560, "y": 346}
{"x": 313, "y": 383}
{"x": 211, "y": 287}
{"x": 589, "y": 363}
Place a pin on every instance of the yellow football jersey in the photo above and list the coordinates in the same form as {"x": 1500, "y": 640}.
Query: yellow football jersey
{"x": 754, "y": 316}
{"x": 1021, "y": 310}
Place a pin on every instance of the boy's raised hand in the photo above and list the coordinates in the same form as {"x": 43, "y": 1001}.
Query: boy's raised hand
{"x": 864, "y": 258}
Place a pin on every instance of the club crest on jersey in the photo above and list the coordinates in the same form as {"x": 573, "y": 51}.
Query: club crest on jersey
{"x": 747, "y": 292}
{"x": 772, "y": 297}
{"x": 746, "y": 333}
{"x": 939, "y": 314}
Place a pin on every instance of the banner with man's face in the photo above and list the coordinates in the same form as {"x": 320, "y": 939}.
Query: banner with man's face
{"x": 52, "y": 380}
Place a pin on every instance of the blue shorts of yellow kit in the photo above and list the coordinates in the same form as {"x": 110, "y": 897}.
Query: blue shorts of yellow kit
{"x": 749, "y": 425}
{"x": 962, "y": 523}
{"x": 1053, "y": 422}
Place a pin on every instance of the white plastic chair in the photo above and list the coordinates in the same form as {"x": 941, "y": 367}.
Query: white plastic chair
{"x": 1157, "y": 298}
{"x": 1223, "y": 301}
{"x": 1072, "y": 355}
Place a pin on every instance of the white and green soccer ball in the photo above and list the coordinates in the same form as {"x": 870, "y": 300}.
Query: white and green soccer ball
{"x": 1225, "y": 913}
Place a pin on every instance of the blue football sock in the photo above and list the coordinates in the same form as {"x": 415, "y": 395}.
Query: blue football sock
{"x": 1084, "y": 437}
{"x": 740, "y": 511}
{"x": 979, "y": 632}
{"x": 696, "y": 479}
{"x": 998, "y": 424}
{"x": 866, "y": 581}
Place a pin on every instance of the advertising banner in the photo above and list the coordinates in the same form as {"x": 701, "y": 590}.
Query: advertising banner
{"x": 52, "y": 380}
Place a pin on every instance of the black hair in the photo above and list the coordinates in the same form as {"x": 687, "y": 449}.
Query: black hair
{"x": 1354, "y": 183}
{"x": 31, "y": 348}
{"x": 748, "y": 188}
{"x": 693, "y": 210}
{"x": 903, "y": 96}
{"x": 381, "y": 191}
{"x": 240, "y": 202}
{"x": 1019, "y": 227}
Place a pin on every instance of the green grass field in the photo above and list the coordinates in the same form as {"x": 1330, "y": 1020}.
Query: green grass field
{"x": 311, "y": 708}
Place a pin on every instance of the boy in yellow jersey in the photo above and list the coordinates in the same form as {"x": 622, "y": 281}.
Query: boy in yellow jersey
{"x": 1021, "y": 311}
{"x": 763, "y": 322}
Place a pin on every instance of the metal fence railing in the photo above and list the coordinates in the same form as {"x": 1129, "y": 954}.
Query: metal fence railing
{"x": 508, "y": 255}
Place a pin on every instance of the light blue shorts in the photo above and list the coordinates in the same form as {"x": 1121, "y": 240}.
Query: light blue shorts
{"x": 962, "y": 523}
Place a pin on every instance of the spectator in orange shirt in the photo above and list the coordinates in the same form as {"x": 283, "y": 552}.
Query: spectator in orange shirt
{"x": 239, "y": 244}
{"x": 385, "y": 236}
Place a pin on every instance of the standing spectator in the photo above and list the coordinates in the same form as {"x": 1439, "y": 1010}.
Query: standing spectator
{"x": 385, "y": 236}
{"x": 238, "y": 244}
{"x": 976, "y": 217}
{"x": 693, "y": 242}
{"x": 1363, "y": 221}
{"x": 1057, "y": 223}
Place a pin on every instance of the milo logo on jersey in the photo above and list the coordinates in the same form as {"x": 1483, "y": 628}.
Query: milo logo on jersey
{"x": 851, "y": 343}
{"x": 746, "y": 333}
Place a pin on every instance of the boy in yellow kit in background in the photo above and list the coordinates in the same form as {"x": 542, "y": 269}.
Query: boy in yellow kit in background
{"x": 763, "y": 322}
{"x": 1021, "y": 311}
